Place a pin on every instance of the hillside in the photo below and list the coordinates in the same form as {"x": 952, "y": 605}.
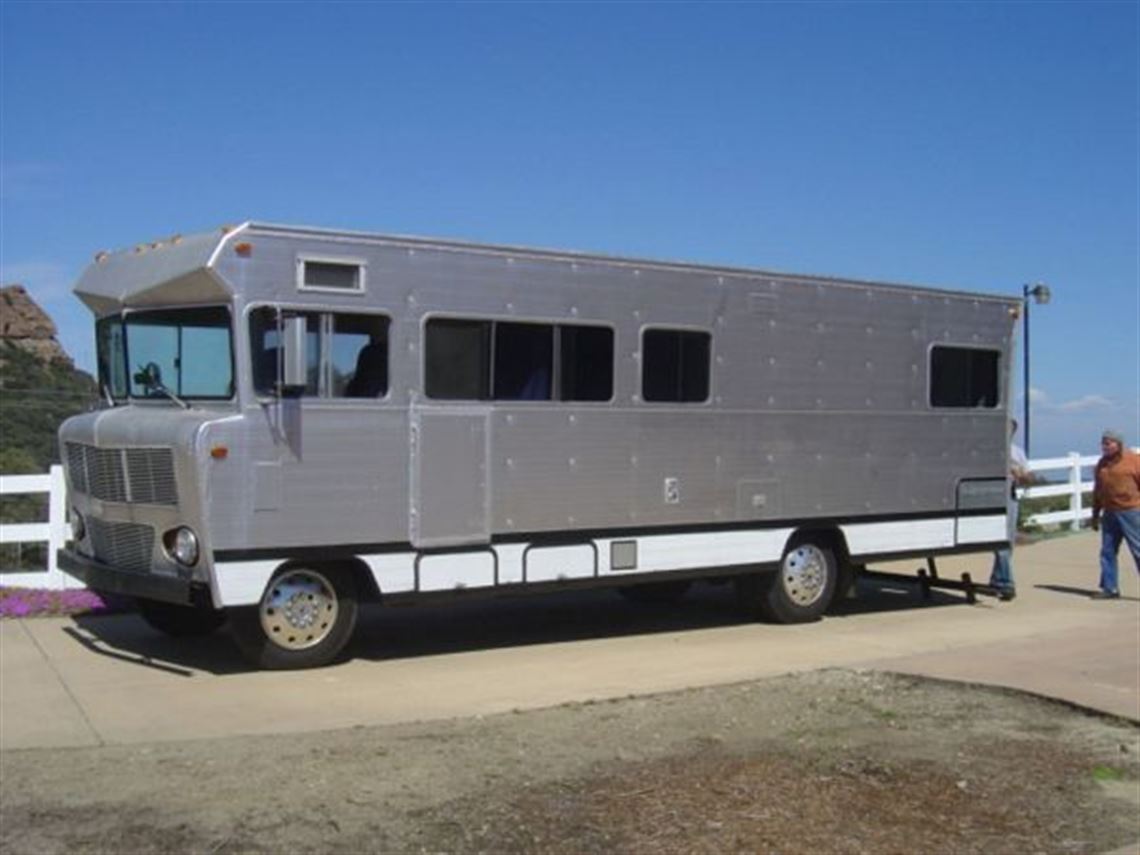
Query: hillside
{"x": 39, "y": 385}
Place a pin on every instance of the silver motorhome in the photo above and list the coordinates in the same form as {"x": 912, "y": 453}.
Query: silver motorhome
{"x": 298, "y": 420}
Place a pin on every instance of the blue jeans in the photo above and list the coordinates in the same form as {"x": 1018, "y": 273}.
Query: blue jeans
{"x": 1001, "y": 576}
{"x": 1114, "y": 527}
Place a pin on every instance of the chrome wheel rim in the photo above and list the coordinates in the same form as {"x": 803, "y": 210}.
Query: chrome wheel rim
{"x": 804, "y": 574}
{"x": 299, "y": 609}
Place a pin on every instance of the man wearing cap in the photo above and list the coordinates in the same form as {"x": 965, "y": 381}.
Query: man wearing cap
{"x": 1116, "y": 509}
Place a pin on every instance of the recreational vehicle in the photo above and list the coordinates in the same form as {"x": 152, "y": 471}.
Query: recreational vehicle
{"x": 300, "y": 420}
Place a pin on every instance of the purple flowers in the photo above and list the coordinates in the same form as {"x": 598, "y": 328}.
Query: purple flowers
{"x": 38, "y": 602}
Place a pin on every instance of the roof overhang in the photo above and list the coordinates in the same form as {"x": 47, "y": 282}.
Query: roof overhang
{"x": 177, "y": 270}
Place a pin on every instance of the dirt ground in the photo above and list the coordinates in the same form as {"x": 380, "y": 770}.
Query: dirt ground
{"x": 825, "y": 762}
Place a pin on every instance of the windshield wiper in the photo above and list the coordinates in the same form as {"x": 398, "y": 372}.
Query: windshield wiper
{"x": 158, "y": 387}
{"x": 150, "y": 377}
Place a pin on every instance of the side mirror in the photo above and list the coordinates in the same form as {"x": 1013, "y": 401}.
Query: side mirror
{"x": 294, "y": 370}
{"x": 149, "y": 376}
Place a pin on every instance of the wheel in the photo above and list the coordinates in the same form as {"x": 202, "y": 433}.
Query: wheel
{"x": 304, "y": 619}
{"x": 180, "y": 621}
{"x": 799, "y": 591}
{"x": 656, "y": 592}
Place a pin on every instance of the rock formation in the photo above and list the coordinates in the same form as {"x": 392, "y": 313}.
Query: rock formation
{"x": 24, "y": 324}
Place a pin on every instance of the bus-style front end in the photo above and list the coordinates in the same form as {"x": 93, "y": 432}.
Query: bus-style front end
{"x": 135, "y": 469}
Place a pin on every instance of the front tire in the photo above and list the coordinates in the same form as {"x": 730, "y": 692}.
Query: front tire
{"x": 180, "y": 621}
{"x": 799, "y": 591}
{"x": 304, "y": 619}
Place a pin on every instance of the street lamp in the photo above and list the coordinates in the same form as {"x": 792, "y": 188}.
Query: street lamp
{"x": 1040, "y": 294}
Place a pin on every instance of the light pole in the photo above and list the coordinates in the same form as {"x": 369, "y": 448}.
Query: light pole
{"x": 1040, "y": 294}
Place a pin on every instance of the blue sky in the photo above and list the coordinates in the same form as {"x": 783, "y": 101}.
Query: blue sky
{"x": 976, "y": 146}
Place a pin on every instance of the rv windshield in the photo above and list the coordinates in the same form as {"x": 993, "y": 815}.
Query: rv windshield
{"x": 186, "y": 353}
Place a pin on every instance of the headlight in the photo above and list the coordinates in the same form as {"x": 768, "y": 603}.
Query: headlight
{"x": 78, "y": 526}
{"x": 182, "y": 544}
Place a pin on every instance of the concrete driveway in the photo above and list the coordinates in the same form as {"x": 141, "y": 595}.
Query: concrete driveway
{"x": 112, "y": 680}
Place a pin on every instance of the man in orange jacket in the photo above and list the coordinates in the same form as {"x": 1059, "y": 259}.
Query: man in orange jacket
{"x": 1116, "y": 509}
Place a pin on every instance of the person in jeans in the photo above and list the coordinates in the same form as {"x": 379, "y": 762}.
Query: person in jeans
{"x": 1116, "y": 509}
{"x": 1001, "y": 576}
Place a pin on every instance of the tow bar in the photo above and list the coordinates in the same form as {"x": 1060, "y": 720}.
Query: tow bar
{"x": 928, "y": 578}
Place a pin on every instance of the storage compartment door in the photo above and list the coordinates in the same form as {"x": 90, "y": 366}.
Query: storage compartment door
{"x": 983, "y": 504}
{"x": 450, "y": 484}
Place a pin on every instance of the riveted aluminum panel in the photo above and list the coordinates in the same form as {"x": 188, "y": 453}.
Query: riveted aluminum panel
{"x": 450, "y": 490}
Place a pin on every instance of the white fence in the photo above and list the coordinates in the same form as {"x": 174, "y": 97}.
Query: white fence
{"x": 54, "y": 531}
{"x": 1074, "y": 487}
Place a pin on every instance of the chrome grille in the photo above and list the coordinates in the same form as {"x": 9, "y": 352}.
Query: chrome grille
{"x": 127, "y": 546}
{"x": 105, "y": 474}
{"x": 140, "y": 475}
{"x": 150, "y": 472}
{"x": 77, "y": 467}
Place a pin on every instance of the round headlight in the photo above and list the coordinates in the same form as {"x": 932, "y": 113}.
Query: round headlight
{"x": 185, "y": 547}
{"x": 78, "y": 526}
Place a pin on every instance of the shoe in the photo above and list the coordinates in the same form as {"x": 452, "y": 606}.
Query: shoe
{"x": 1105, "y": 595}
{"x": 1007, "y": 594}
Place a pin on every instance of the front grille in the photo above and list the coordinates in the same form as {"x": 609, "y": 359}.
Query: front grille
{"x": 139, "y": 475}
{"x": 77, "y": 467}
{"x": 105, "y": 474}
{"x": 150, "y": 472}
{"x": 127, "y": 546}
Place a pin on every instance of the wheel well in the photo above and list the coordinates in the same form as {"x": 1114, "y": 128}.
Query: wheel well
{"x": 367, "y": 591}
{"x": 830, "y": 536}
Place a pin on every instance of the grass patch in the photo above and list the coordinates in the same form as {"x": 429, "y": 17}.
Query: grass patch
{"x": 1107, "y": 773}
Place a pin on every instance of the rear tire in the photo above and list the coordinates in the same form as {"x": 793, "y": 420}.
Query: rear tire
{"x": 799, "y": 591}
{"x": 304, "y": 620}
{"x": 180, "y": 621}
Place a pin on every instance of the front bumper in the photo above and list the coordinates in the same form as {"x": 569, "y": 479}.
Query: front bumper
{"x": 103, "y": 577}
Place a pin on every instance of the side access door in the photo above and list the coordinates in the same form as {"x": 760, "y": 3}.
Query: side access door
{"x": 450, "y": 484}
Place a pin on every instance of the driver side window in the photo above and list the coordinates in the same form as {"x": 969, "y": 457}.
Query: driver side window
{"x": 346, "y": 354}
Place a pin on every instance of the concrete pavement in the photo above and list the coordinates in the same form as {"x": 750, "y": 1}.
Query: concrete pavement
{"x": 112, "y": 680}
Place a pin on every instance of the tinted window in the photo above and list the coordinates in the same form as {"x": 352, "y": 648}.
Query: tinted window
{"x": 675, "y": 365}
{"x": 524, "y": 361}
{"x": 586, "y": 357}
{"x": 457, "y": 359}
{"x": 510, "y": 361}
{"x": 963, "y": 377}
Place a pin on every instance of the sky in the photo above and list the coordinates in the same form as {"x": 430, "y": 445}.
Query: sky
{"x": 976, "y": 146}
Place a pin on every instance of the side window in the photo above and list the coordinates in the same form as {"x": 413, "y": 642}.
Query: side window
{"x": 963, "y": 377}
{"x": 265, "y": 349}
{"x": 346, "y": 354}
{"x": 457, "y": 359}
{"x": 524, "y": 362}
{"x": 359, "y": 355}
{"x": 510, "y": 361}
{"x": 586, "y": 359}
{"x": 675, "y": 365}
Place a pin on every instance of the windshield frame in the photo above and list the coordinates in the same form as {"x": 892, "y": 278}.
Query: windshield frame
{"x": 113, "y": 354}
